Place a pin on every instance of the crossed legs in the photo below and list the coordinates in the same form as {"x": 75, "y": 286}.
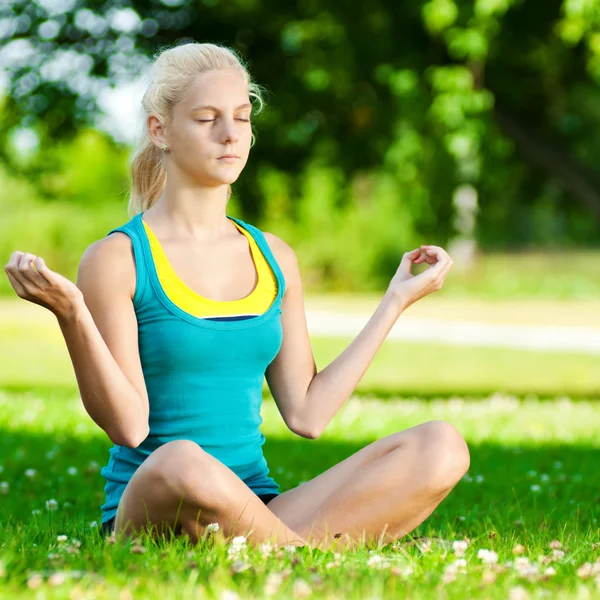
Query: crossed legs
{"x": 381, "y": 492}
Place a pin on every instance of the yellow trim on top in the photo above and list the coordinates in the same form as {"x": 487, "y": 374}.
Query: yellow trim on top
{"x": 256, "y": 303}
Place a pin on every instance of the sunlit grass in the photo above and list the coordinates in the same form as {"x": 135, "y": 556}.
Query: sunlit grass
{"x": 523, "y": 521}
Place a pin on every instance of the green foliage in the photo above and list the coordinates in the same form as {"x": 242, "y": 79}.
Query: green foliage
{"x": 501, "y": 94}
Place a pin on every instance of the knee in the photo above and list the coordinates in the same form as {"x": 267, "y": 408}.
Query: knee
{"x": 184, "y": 469}
{"x": 446, "y": 452}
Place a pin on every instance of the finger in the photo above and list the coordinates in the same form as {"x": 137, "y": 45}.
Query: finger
{"x": 435, "y": 253}
{"x": 21, "y": 292}
{"x": 441, "y": 268}
{"x": 421, "y": 258}
{"x": 409, "y": 258}
{"x": 12, "y": 266}
{"x": 28, "y": 271}
{"x": 439, "y": 250}
{"x": 14, "y": 259}
{"x": 431, "y": 256}
{"x": 43, "y": 270}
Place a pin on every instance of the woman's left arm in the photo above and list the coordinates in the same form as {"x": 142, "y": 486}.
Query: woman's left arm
{"x": 307, "y": 399}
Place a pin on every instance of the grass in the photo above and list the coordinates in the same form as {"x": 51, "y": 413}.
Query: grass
{"x": 532, "y": 482}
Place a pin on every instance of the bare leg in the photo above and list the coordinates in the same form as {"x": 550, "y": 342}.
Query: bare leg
{"x": 385, "y": 497}
{"x": 179, "y": 489}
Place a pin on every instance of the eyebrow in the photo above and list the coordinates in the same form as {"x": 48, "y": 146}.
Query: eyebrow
{"x": 208, "y": 107}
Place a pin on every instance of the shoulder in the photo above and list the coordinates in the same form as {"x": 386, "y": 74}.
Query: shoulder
{"x": 284, "y": 255}
{"x": 117, "y": 245}
{"x": 111, "y": 259}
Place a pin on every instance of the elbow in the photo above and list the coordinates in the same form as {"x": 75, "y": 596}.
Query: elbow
{"x": 310, "y": 433}
{"x": 130, "y": 440}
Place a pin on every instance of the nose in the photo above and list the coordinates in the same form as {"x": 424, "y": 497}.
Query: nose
{"x": 230, "y": 132}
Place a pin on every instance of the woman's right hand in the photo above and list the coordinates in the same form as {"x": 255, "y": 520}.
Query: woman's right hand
{"x": 42, "y": 286}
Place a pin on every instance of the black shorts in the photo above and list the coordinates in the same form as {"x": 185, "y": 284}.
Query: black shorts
{"x": 107, "y": 527}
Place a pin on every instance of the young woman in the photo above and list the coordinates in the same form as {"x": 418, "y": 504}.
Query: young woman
{"x": 178, "y": 315}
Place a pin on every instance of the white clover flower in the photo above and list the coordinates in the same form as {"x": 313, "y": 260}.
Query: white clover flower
{"x": 376, "y": 560}
{"x": 558, "y": 554}
{"x": 30, "y": 473}
{"x": 52, "y": 504}
{"x": 266, "y": 548}
{"x": 290, "y": 549}
{"x": 557, "y": 464}
{"x": 56, "y": 579}
{"x": 93, "y": 524}
{"x": 239, "y": 565}
{"x": 239, "y": 540}
{"x": 525, "y": 568}
{"x": 544, "y": 477}
{"x": 521, "y": 562}
{"x": 35, "y": 581}
{"x": 229, "y": 595}
{"x": 36, "y": 511}
{"x": 535, "y": 488}
{"x": 460, "y": 564}
{"x": 301, "y": 589}
{"x": 459, "y": 547}
{"x": 550, "y": 571}
{"x": 212, "y": 527}
{"x": 487, "y": 556}
{"x": 555, "y": 545}
{"x": 273, "y": 583}
{"x": 585, "y": 571}
{"x": 72, "y": 471}
{"x": 531, "y": 473}
{"x": 93, "y": 466}
{"x": 479, "y": 478}
{"x": 62, "y": 538}
{"x": 518, "y": 593}
{"x": 466, "y": 477}
{"x": 4, "y": 487}
{"x": 449, "y": 576}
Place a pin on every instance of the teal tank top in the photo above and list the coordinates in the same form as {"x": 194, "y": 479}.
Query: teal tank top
{"x": 204, "y": 377}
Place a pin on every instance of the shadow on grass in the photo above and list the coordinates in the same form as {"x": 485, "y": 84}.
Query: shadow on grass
{"x": 522, "y": 489}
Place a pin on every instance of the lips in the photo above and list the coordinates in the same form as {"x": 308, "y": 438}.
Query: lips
{"x": 229, "y": 156}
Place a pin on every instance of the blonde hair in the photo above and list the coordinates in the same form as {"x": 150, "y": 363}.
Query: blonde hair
{"x": 170, "y": 75}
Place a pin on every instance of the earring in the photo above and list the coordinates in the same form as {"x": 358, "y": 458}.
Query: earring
{"x": 164, "y": 147}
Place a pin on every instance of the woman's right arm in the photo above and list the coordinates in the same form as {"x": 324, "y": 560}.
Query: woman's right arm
{"x": 99, "y": 325}
{"x": 102, "y": 338}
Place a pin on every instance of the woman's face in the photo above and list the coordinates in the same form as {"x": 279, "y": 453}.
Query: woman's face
{"x": 211, "y": 122}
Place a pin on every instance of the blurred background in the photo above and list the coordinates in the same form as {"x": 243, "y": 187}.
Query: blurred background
{"x": 469, "y": 125}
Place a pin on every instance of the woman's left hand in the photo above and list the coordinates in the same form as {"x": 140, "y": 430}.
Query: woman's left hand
{"x": 408, "y": 288}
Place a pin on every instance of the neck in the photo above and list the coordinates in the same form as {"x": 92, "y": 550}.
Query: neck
{"x": 197, "y": 214}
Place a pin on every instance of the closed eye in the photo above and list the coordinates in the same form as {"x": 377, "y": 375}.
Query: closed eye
{"x": 211, "y": 120}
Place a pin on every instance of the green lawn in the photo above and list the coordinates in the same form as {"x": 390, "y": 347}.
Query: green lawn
{"x": 533, "y": 480}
